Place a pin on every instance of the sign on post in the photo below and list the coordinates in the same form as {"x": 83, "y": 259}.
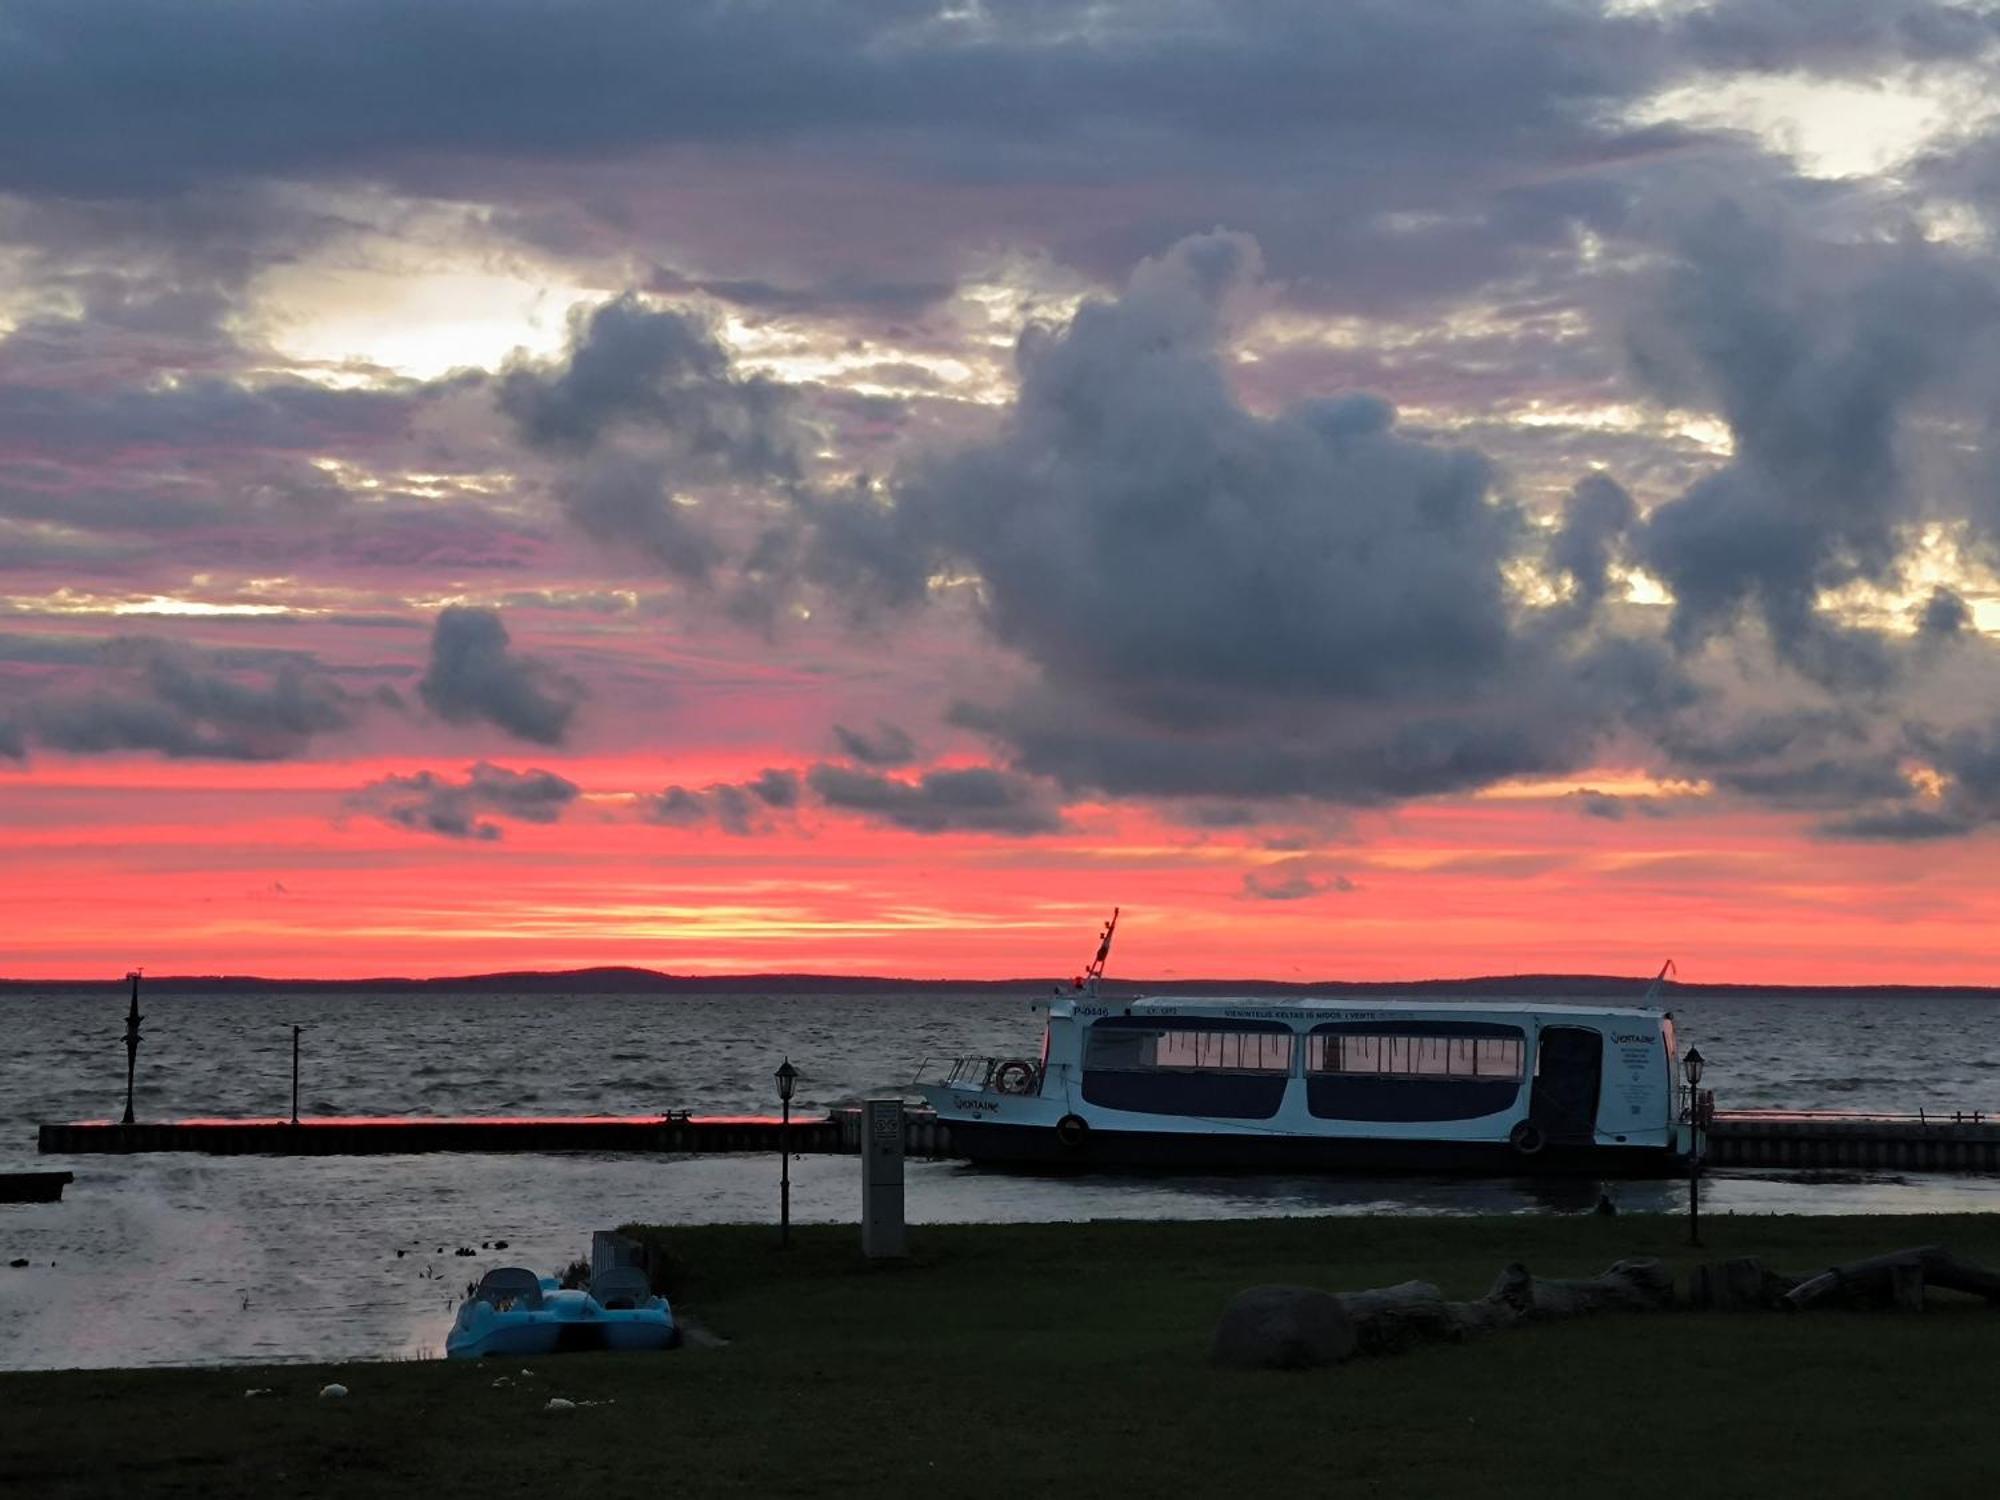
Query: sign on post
{"x": 882, "y": 1234}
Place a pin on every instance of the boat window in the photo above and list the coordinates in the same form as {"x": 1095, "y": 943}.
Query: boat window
{"x": 1401, "y": 1055}
{"x": 1413, "y": 1070}
{"x": 1203, "y": 1066}
{"x": 1174, "y": 1047}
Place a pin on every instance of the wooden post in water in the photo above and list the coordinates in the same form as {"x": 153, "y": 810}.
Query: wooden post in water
{"x": 132, "y": 1020}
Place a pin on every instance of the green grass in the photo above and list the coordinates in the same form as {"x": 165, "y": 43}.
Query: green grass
{"x": 1012, "y": 1360}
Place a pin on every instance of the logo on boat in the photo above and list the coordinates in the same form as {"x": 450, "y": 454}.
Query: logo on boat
{"x": 976, "y": 1104}
{"x": 1630, "y": 1039}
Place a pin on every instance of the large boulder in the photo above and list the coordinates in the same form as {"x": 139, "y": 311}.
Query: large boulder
{"x": 1282, "y": 1328}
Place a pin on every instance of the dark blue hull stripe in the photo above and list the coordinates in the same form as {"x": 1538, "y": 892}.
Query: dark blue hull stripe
{"x": 1107, "y": 1149}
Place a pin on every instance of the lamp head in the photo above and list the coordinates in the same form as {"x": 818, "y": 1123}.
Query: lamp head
{"x": 1692, "y": 1066}
{"x": 787, "y": 1076}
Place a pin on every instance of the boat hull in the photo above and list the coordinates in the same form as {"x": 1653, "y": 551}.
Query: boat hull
{"x": 568, "y": 1322}
{"x": 1104, "y": 1149}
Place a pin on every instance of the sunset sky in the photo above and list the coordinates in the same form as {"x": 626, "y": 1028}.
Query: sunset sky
{"x": 1372, "y": 489}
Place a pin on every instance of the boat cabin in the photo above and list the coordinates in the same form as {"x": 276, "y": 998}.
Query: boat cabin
{"x": 1465, "y": 1073}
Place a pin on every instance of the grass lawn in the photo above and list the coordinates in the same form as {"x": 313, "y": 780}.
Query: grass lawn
{"x": 1019, "y": 1359}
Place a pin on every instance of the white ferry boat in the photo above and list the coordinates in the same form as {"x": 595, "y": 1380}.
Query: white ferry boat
{"x": 1494, "y": 1087}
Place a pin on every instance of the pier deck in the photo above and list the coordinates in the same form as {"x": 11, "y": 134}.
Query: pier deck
{"x": 836, "y": 1132}
{"x": 1745, "y": 1138}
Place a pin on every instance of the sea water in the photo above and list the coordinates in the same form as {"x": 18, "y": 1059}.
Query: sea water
{"x": 189, "y": 1259}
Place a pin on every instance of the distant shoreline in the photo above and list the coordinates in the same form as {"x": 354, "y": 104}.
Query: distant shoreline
{"x": 627, "y": 981}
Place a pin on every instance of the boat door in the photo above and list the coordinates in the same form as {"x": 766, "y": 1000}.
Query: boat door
{"x": 1569, "y": 1062}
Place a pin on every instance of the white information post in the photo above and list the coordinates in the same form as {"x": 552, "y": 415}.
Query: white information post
{"x": 882, "y": 1231}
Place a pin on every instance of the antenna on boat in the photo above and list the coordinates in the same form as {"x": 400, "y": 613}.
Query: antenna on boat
{"x": 1096, "y": 970}
{"x": 1659, "y": 979}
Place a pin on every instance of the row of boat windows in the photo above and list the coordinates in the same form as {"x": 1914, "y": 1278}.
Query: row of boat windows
{"x": 1374, "y": 1055}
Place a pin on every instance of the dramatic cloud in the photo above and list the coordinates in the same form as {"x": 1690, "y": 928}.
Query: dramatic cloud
{"x": 1950, "y": 786}
{"x": 430, "y": 803}
{"x": 974, "y": 800}
{"x": 1294, "y": 880}
{"x": 625, "y": 500}
{"x": 644, "y": 405}
{"x": 1596, "y": 515}
{"x": 1816, "y": 355}
{"x": 1225, "y": 604}
{"x": 474, "y": 675}
{"x": 736, "y": 808}
{"x": 144, "y": 693}
{"x": 665, "y": 372}
{"x": 888, "y": 745}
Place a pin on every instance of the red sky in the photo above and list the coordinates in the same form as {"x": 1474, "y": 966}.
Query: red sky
{"x": 1372, "y": 491}
{"x": 202, "y": 868}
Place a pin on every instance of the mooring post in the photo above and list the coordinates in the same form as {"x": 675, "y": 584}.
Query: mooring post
{"x": 295, "y": 1073}
{"x": 132, "y": 1020}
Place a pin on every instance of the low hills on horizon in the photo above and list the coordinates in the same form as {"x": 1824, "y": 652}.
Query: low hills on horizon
{"x": 618, "y": 980}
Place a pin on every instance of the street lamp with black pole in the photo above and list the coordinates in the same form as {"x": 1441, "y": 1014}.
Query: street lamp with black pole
{"x": 1691, "y": 1065}
{"x": 787, "y": 1077}
{"x": 132, "y": 1020}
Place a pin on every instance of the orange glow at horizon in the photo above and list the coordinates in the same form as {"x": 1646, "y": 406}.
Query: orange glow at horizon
{"x": 206, "y": 868}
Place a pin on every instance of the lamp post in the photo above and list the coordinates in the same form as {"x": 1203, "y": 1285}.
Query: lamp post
{"x": 132, "y": 1020}
{"x": 1691, "y": 1065}
{"x": 295, "y": 1073}
{"x": 787, "y": 1077}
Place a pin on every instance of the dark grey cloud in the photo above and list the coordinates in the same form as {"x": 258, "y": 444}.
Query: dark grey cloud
{"x": 1135, "y": 525}
{"x": 738, "y": 808}
{"x": 664, "y": 371}
{"x": 1905, "y": 824}
{"x": 1596, "y": 515}
{"x": 146, "y": 693}
{"x": 775, "y": 788}
{"x": 1817, "y": 355}
{"x": 1944, "y": 615}
{"x": 1294, "y": 880}
{"x": 431, "y": 803}
{"x": 1952, "y": 787}
{"x": 1338, "y": 134}
{"x": 644, "y": 410}
{"x": 624, "y": 500}
{"x": 157, "y": 101}
{"x": 142, "y": 420}
{"x": 475, "y": 675}
{"x": 886, "y": 745}
{"x": 1225, "y": 604}
{"x": 972, "y": 800}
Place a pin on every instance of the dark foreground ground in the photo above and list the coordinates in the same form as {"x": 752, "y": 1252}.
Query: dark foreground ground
{"x": 1070, "y": 1358}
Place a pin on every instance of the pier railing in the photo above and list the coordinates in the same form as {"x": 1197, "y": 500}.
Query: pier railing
{"x": 1960, "y": 1141}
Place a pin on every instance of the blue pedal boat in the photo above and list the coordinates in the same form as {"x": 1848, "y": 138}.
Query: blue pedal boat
{"x": 515, "y": 1313}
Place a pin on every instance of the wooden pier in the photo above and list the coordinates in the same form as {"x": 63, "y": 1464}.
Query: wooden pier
{"x": 1961, "y": 1142}
{"x": 837, "y": 1132}
{"x": 1747, "y": 1138}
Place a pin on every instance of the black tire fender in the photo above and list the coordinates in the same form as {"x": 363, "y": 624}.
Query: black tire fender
{"x": 1072, "y": 1131}
{"x": 1527, "y": 1138}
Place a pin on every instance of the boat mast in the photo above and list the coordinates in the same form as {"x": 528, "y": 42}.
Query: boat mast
{"x": 1659, "y": 979}
{"x": 1096, "y": 970}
